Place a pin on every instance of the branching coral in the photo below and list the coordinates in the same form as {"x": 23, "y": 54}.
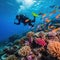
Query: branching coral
{"x": 24, "y": 51}
{"x": 12, "y": 57}
{"x": 54, "y": 48}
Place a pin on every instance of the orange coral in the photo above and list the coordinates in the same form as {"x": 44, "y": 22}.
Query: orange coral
{"x": 24, "y": 51}
{"x": 54, "y": 48}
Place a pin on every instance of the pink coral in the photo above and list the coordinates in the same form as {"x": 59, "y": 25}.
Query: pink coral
{"x": 54, "y": 48}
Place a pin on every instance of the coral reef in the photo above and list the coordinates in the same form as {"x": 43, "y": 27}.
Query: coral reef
{"x": 40, "y": 41}
{"x": 13, "y": 37}
{"x": 16, "y": 42}
{"x": 30, "y": 34}
{"x": 41, "y": 35}
{"x": 22, "y": 41}
{"x": 33, "y": 46}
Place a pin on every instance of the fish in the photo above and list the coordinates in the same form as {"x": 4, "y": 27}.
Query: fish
{"x": 57, "y": 24}
{"x": 52, "y": 6}
{"x": 47, "y": 20}
{"x": 57, "y": 16}
{"x": 41, "y": 13}
{"x": 59, "y": 7}
{"x": 53, "y": 12}
{"x": 55, "y": 30}
{"x": 50, "y": 27}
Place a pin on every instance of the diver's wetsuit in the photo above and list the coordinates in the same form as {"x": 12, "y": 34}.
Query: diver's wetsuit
{"x": 22, "y": 18}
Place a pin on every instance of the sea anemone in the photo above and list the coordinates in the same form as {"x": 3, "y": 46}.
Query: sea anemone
{"x": 12, "y": 57}
{"x": 24, "y": 51}
{"x": 30, "y": 34}
{"x": 54, "y": 48}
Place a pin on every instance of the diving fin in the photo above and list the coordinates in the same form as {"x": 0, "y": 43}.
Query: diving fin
{"x": 34, "y": 14}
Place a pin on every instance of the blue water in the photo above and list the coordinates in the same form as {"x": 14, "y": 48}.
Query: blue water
{"x": 10, "y": 8}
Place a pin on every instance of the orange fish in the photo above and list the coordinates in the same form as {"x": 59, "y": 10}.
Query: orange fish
{"x": 55, "y": 30}
{"x": 51, "y": 27}
{"x": 43, "y": 15}
{"x": 47, "y": 20}
{"x": 57, "y": 16}
{"x": 54, "y": 11}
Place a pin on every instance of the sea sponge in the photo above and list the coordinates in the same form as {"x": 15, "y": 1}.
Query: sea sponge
{"x": 12, "y": 57}
{"x": 30, "y": 34}
{"x": 24, "y": 51}
{"x": 54, "y": 48}
{"x": 22, "y": 41}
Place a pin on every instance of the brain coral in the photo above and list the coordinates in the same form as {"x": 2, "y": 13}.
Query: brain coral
{"x": 24, "y": 51}
{"x": 54, "y": 49}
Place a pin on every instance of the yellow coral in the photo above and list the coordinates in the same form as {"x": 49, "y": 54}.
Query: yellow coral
{"x": 54, "y": 48}
{"x": 24, "y": 51}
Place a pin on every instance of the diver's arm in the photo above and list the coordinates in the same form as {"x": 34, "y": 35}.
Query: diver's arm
{"x": 30, "y": 24}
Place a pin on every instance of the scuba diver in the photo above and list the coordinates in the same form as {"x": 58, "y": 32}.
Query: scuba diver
{"x": 25, "y": 20}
